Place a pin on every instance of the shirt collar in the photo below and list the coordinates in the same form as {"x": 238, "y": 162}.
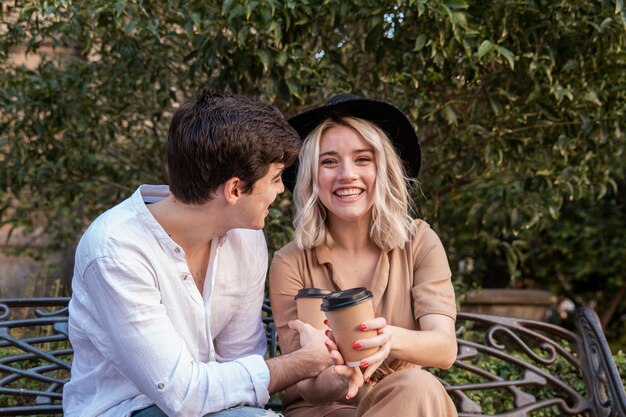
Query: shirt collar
{"x": 323, "y": 254}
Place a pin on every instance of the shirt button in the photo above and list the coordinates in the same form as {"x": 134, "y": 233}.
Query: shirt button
{"x": 184, "y": 276}
{"x": 160, "y": 385}
{"x": 177, "y": 250}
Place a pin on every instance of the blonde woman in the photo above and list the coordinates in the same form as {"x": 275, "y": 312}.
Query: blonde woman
{"x": 353, "y": 229}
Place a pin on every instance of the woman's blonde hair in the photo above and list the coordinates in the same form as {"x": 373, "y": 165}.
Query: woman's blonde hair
{"x": 391, "y": 223}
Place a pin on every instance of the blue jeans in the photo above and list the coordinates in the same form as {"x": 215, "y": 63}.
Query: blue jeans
{"x": 243, "y": 411}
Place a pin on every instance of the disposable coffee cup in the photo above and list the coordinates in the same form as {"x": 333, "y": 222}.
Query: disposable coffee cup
{"x": 345, "y": 310}
{"x": 309, "y": 303}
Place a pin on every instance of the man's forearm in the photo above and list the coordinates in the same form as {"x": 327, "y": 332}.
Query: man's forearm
{"x": 286, "y": 370}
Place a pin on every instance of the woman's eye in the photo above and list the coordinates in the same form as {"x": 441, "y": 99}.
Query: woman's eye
{"x": 363, "y": 159}
{"x": 328, "y": 162}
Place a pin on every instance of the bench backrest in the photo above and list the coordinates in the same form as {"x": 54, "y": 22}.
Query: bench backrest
{"x": 504, "y": 365}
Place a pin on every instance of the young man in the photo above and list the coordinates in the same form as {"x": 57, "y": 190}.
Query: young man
{"x": 165, "y": 316}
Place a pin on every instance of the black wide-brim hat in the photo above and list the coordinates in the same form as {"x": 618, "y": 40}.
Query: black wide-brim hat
{"x": 385, "y": 115}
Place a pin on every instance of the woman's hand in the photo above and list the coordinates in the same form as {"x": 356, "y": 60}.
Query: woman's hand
{"x": 353, "y": 376}
{"x": 382, "y": 341}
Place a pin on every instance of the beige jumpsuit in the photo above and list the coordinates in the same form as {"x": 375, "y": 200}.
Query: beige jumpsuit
{"x": 409, "y": 282}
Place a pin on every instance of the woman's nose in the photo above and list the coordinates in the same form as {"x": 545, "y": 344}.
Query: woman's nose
{"x": 347, "y": 172}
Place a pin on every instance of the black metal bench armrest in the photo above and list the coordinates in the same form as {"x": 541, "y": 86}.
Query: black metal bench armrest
{"x": 516, "y": 367}
{"x": 601, "y": 374}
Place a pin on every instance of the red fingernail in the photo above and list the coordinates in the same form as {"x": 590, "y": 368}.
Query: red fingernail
{"x": 327, "y": 342}
{"x": 326, "y": 322}
{"x": 357, "y": 345}
{"x": 363, "y": 364}
{"x": 327, "y": 332}
{"x": 362, "y": 326}
{"x": 367, "y": 379}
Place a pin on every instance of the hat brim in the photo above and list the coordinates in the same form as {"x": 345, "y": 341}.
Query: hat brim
{"x": 386, "y": 116}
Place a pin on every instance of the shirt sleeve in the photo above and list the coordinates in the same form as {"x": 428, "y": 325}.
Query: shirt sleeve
{"x": 432, "y": 290}
{"x": 244, "y": 335}
{"x": 131, "y": 328}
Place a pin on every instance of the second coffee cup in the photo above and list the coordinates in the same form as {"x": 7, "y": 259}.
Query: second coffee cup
{"x": 309, "y": 303}
{"x": 345, "y": 310}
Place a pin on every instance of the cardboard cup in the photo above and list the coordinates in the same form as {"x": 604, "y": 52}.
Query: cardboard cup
{"x": 309, "y": 303}
{"x": 345, "y": 310}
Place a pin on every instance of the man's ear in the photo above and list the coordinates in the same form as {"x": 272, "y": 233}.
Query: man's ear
{"x": 232, "y": 190}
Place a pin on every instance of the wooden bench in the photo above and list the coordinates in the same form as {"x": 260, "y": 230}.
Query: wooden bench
{"x": 507, "y": 366}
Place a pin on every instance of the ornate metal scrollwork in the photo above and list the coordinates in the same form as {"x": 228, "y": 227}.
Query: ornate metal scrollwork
{"x": 606, "y": 390}
{"x": 36, "y": 355}
{"x": 512, "y": 367}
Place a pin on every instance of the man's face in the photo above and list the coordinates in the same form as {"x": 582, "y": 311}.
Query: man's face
{"x": 255, "y": 205}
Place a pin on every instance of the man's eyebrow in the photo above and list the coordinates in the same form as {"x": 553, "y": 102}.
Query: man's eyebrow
{"x": 280, "y": 173}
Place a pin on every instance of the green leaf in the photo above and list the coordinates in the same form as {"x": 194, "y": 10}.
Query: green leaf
{"x": 242, "y": 35}
{"x": 592, "y": 97}
{"x": 484, "y": 48}
{"x": 420, "y": 41}
{"x": 507, "y": 54}
{"x": 421, "y": 7}
{"x": 282, "y": 58}
{"x": 226, "y": 6}
{"x": 495, "y": 106}
{"x": 450, "y": 115}
{"x": 130, "y": 27}
{"x": 606, "y": 23}
{"x": 264, "y": 58}
{"x": 554, "y": 212}
{"x": 456, "y": 4}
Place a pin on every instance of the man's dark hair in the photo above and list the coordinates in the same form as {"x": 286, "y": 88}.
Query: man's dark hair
{"x": 217, "y": 136}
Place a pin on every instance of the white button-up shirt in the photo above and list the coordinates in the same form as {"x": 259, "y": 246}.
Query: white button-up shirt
{"x": 142, "y": 332}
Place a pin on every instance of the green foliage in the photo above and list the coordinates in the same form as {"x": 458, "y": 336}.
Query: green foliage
{"x": 585, "y": 250}
{"x": 520, "y": 109}
{"x": 620, "y": 361}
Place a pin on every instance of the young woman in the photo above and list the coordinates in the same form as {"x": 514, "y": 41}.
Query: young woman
{"x": 353, "y": 230}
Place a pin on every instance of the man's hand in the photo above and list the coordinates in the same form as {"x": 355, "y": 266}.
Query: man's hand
{"x": 309, "y": 335}
{"x": 306, "y": 362}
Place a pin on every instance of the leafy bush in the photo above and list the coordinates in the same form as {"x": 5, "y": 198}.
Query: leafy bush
{"x": 519, "y": 107}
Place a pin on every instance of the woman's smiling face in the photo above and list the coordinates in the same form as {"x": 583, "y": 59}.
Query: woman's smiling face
{"x": 347, "y": 174}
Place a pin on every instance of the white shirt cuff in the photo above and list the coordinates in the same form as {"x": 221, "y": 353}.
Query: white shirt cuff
{"x": 259, "y": 375}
